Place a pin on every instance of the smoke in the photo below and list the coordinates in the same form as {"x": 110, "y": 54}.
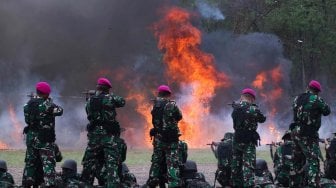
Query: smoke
{"x": 209, "y": 11}
{"x": 72, "y": 43}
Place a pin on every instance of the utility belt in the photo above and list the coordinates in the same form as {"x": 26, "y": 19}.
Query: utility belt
{"x": 44, "y": 134}
{"x": 246, "y": 137}
{"x": 168, "y": 136}
{"x": 306, "y": 130}
{"x": 111, "y": 127}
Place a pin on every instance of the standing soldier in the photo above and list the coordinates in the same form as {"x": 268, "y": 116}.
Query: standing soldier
{"x": 308, "y": 108}
{"x": 103, "y": 134}
{"x": 40, "y": 113}
{"x": 246, "y": 116}
{"x": 165, "y": 118}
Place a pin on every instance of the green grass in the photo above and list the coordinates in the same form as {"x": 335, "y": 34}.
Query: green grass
{"x": 15, "y": 158}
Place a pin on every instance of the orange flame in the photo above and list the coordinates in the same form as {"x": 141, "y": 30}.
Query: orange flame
{"x": 144, "y": 108}
{"x": 17, "y": 132}
{"x": 195, "y": 69}
{"x": 271, "y": 96}
{"x": 3, "y": 145}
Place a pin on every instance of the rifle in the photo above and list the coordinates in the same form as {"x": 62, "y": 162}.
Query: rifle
{"x": 88, "y": 93}
{"x": 275, "y": 144}
{"x": 213, "y": 149}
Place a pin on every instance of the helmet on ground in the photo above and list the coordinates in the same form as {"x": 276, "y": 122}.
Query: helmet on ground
{"x": 249, "y": 91}
{"x": 104, "y": 82}
{"x": 3, "y": 165}
{"x": 70, "y": 164}
{"x": 315, "y": 85}
{"x": 261, "y": 164}
{"x": 228, "y": 135}
{"x": 43, "y": 87}
{"x": 164, "y": 88}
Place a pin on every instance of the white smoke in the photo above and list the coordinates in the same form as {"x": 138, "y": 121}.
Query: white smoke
{"x": 209, "y": 11}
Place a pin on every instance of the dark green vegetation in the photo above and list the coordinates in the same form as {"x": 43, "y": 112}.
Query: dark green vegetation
{"x": 307, "y": 29}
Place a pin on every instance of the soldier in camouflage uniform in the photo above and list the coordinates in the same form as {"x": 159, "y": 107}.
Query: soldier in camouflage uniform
{"x": 285, "y": 172}
{"x": 40, "y": 113}
{"x": 103, "y": 134}
{"x": 6, "y": 179}
{"x": 224, "y": 156}
{"x": 263, "y": 177}
{"x": 165, "y": 118}
{"x": 308, "y": 108}
{"x": 246, "y": 116}
{"x": 330, "y": 162}
{"x": 69, "y": 178}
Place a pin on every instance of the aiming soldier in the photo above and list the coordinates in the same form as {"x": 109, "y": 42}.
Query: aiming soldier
{"x": 246, "y": 116}
{"x": 165, "y": 118}
{"x": 40, "y": 113}
{"x": 103, "y": 134}
{"x": 308, "y": 108}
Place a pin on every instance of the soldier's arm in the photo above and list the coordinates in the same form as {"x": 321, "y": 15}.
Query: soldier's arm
{"x": 119, "y": 101}
{"x": 260, "y": 116}
{"x": 26, "y": 114}
{"x": 57, "y": 110}
{"x": 325, "y": 109}
{"x": 177, "y": 114}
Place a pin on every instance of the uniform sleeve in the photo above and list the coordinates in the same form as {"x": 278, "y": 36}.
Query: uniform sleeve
{"x": 119, "y": 101}
{"x": 259, "y": 116}
{"x": 277, "y": 160}
{"x": 26, "y": 113}
{"x": 177, "y": 114}
{"x": 325, "y": 109}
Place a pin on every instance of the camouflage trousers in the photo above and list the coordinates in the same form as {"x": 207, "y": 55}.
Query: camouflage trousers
{"x": 35, "y": 159}
{"x": 311, "y": 150}
{"x": 165, "y": 154}
{"x": 106, "y": 145}
{"x": 243, "y": 164}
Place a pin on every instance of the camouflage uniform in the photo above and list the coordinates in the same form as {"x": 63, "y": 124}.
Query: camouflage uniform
{"x": 165, "y": 115}
{"x": 330, "y": 162}
{"x": 40, "y": 137}
{"x": 6, "y": 180}
{"x": 245, "y": 117}
{"x": 70, "y": 181}
{"x": 224, "y": 156}
{"x": 308, "y": 108}
{"x": 103, "y": 136}
{"x": 286, "y": 173}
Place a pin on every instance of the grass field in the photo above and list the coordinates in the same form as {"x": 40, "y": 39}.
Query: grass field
{"x": 15, "y": 158}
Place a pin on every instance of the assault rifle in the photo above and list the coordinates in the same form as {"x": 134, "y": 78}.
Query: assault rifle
{"x": 88, "y": 93}
{"x": 271, "y": 145}
{"x": 213, "y": 146}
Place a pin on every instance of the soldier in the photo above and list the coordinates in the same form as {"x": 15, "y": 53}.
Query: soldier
{"x": 103, "y": 134}
{"x": 246, "y": 116}
{"x": 263, "y": 177}
{"x": 165, "y": 118}
{"x": 330, "y": 162}
{"x": 68, "y": 177}
{"x": 285, "y": 172}
{"x": 308, "y": 108}
{"x": 224, "y": 156}
{"x": 40, "y": 113}
{"x": 6, "y": 179}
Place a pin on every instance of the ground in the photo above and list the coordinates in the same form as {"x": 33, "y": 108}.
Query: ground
{"x": 138, "y": 161}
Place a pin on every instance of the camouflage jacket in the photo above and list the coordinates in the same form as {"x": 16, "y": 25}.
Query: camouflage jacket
{"x": 70, "y": 181}
{"x": 224, "y": 154}
{"x": 165, "y": 118}
{"x": 40, "y": 116}
{"x": 101, "y": 111}
{"x": 264, "y": 180}
{"x": 308, "y": 109}
{"x": 6, "y": 180}
{"x": 246, "y": 116}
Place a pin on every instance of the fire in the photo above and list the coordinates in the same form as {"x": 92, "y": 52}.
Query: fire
{"x": 144, "y": 108}
{"x": 3, "y": 145}
{"x": 193, "y": 68}
{"x": 17, "y": 131}
{"x": 271, "y": 95}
